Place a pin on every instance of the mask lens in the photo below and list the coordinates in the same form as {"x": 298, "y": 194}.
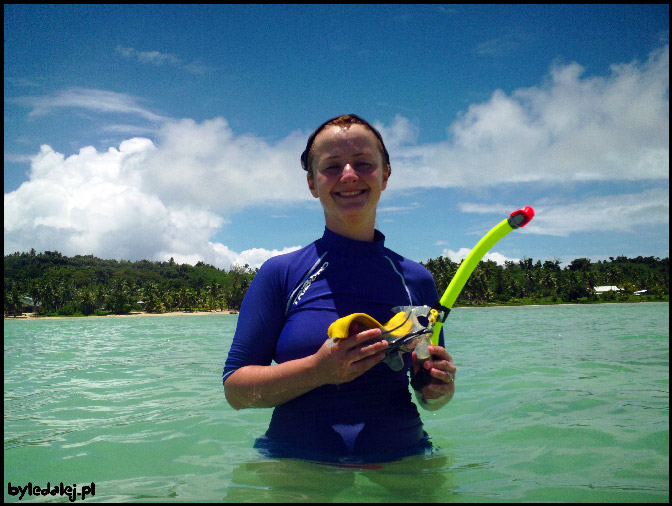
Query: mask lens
{"x": 410, "y": 345}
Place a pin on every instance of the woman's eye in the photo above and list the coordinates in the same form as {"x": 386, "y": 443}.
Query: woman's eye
{"x": 337, "y": 169}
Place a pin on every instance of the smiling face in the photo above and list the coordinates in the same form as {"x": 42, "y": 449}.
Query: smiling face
{"x": 348, "y": 175}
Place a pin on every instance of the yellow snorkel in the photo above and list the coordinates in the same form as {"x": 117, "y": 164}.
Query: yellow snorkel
{"x": 516, "y": 219}
{"x": 404, "y": 331}
{"x": 439, "y": 312}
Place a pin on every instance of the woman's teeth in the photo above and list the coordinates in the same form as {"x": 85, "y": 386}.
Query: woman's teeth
{"x": 350, "y": 194}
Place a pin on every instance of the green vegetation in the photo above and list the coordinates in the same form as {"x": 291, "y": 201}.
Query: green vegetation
{"x": 55, "y": 285}
{"x": 527, "y": 282}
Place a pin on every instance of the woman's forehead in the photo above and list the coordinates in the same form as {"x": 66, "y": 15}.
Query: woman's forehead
{"x": 335, "y": 139}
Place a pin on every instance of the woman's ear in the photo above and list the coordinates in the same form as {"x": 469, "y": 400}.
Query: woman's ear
{"x": 386, "y": 175}
{"x": 311, "y": 184}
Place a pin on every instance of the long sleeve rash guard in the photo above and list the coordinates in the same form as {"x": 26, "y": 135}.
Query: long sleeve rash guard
{"x": 285, "y": 315}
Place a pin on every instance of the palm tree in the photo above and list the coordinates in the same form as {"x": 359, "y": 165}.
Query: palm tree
{"x": 85, "y": 300}
{"x": 120, "y": 299}
{"x": 12, "y": 299}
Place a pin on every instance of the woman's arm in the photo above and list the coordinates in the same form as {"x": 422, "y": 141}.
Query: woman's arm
{"x": 256, "y": 386}
{"x": 266, "y": 386}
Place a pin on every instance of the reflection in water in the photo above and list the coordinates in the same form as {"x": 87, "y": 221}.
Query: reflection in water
{"x": 418, "y": 478}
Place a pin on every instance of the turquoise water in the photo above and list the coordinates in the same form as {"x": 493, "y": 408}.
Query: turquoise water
{"x": 553, "y": 403}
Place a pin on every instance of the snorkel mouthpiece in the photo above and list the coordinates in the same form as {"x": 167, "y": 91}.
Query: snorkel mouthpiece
{"x": 521, "y": 217}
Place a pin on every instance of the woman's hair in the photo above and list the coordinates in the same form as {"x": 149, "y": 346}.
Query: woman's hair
{"x": 343, "y": 120}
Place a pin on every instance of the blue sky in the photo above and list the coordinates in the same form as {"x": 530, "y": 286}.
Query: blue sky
{"x": 154, "y": 131}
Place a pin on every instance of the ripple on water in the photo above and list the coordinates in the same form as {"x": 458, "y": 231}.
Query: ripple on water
{"x": 569, "y": 402}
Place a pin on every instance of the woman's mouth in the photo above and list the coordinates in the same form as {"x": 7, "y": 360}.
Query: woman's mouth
{"x": 351, "y": 193}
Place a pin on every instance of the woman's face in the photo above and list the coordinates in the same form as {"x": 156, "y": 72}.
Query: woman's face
{"x": 348, "y": 175}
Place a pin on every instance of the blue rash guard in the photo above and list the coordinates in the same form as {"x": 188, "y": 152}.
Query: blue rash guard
{"x": 285, "y": 315}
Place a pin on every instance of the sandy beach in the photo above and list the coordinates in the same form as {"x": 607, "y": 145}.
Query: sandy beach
{"x": 34, "y": 316}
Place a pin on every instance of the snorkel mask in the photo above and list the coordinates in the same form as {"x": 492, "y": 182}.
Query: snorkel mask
{"x": 403, "y": 331}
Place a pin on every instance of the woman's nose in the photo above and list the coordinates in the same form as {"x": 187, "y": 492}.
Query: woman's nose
{"x": 348, "y": 173}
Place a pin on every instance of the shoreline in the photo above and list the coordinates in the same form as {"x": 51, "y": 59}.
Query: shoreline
{"x": 134, "y": 314}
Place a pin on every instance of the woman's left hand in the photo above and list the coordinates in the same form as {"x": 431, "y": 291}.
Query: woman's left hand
{"x": 442, "y": 371}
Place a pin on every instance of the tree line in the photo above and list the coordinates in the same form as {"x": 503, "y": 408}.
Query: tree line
{"x": 53, "y": 284}
{"x": 532, "y": 282}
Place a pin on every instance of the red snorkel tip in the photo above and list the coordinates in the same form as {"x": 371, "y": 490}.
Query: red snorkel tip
{"x": 521, "y": 217}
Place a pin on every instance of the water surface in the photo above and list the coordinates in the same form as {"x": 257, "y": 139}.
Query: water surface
{"x": 553, "y": 403}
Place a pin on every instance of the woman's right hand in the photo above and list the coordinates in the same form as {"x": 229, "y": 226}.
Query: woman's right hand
{"x": 351, "y": 357}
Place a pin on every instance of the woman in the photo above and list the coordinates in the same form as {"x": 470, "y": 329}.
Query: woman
{"x": 339, "y": 402}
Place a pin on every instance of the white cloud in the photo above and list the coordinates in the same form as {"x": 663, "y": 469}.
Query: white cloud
{"x": 609, "y": 213}
{"x": 94, "y": 203}
{"x": 256, "y": 256}
{"x": 404, "y": 209}
{"x": 500, "y": 209}
{"x": 168, "y": 196}
{"x": 461, "y": 254}
{"x": 158, "y": 59}
{"x": 400, "y": 132}
{"x": 571, "y": 128}
{"x": 605, "y": 213}
{"x": 17, "y": 158}
{"x": 206, "y": 163}
{"x": 102, "y": 101}
{"x": 152, "y": 57}
{"x": 222, "y": 256}
{"x": 130, "y": 130}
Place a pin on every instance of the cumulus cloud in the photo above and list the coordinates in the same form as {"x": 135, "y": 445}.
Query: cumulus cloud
{"x": 96, "y": 203}
{"x": 208, "y": 164}
{"x": 168, "y": 196}
{"x": 399, "y": 133}
{"x": 570, "y": 128}
{"x": 221, "y": 254}
{"x": 461, "y": 254}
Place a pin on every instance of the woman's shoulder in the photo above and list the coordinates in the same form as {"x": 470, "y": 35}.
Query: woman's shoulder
{"x": 408, "y": 265}
{"x": 417, "y": 278}
{"x": 278, "y": 275}
{"x": 284, "y": 264}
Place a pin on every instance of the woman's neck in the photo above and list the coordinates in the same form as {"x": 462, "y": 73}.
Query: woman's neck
{"x": 356, "y": 231}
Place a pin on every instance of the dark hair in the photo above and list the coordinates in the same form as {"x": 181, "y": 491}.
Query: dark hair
{"x": 345, "y": 119}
